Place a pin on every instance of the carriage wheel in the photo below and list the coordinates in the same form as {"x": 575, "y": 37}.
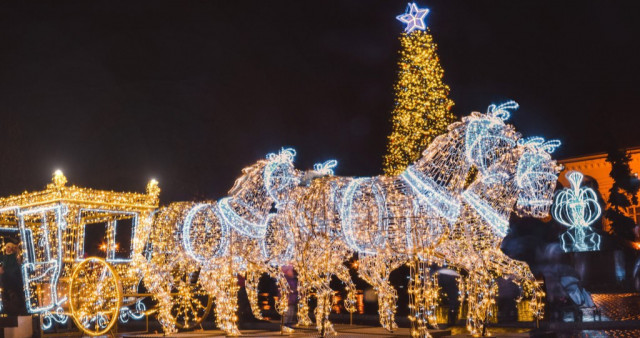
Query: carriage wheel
{"x": 191, "y": 302}
{"x": 95, "y": 296}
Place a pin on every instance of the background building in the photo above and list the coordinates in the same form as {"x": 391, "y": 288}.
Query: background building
{"x": 596, "y": 168}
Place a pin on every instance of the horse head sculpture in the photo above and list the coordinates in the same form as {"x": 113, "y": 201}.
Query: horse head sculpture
{"x": 536, "y": 176}
{"x": 440, "y": 175}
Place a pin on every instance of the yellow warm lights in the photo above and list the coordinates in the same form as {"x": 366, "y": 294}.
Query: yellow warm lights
{"x": 59, "y": 280}
{"x": 423, "y": 109}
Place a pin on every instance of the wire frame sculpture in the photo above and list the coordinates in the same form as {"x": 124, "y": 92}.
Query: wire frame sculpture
{"x": 61, "y": 275}
{"x": 577, "y": 208}
{"x": 521, "y": 181}
{"x": 213, "y": 243}
{"x": 391, "y": 217}
{"x": 275, "y": 215}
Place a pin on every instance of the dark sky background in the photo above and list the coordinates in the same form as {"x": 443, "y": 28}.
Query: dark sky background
{"x": 190, "y": 92}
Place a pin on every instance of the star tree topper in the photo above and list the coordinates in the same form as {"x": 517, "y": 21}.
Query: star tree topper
{"x": 413, "y": 18}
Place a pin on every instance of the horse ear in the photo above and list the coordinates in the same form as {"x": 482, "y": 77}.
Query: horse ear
{"x": 502, "y": 111}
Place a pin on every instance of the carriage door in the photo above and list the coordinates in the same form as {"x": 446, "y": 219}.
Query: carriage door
{"x": 41, "y": 232}
{"x": 107, "y": 234}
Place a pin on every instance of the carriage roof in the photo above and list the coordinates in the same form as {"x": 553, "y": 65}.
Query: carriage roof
{"x": 59, "y": 192}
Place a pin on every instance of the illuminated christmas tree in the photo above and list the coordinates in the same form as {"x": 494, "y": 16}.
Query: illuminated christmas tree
{"x": 422, "y": 108}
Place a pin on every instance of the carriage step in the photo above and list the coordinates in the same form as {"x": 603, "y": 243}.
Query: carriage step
{"x": 20, "y": 327}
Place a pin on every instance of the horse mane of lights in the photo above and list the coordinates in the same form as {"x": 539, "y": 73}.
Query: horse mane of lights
{"x": 577, "y": 208}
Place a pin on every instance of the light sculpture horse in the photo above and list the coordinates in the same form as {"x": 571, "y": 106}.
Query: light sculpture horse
{"x": 415, "y": 228}
{"x": 387, "y": 216}
{"x": 287, "y": 243}
{"x": 215, "y": 242}
{"x": 525, "y": 175}
{"x": 524, "y": 179}
{"x": 247, "y": 249}
{"x": 485, "y": 160}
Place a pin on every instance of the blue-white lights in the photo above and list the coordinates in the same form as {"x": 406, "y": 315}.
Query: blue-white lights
{"x": 486, "y": 138}
{"x": 44, "y": 265}
{"x": 240, "y": 224}
{"x": 413, "y": 18}
{"x": 432, "y": 194}
{"x": 325, "y": 168}
{"x": 126, "y": 313}
{"x": 502, "y": 111}
{"x": 279, "y": 174}
{"x": 58, "y": 316}
{"x": 577, "y": 208}
{"x": 489, "y": 214}
{"x": 534, "y": 177}
{"x": 209, "y": 225}
{"x": 355, "y": 230}
{"x": 276, "y": 215}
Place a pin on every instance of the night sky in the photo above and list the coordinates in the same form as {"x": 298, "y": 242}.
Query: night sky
{"x": 190, "y": 92}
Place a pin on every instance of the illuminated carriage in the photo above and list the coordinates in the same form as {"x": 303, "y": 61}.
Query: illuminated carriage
{"x": 83, "y": 254}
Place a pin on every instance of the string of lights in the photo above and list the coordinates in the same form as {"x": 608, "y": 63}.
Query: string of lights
{"x": 445, "y": 200}
{"x": 59, "y": 280}
{"x": 422, "y": 108}
{"x": 577, "y": 208}
{"x": 190, "y": 253}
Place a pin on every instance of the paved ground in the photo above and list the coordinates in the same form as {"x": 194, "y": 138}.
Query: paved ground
{"x": 601, "y": 334}
{"x": 620, "y": 318}
{"x": 344, "y": 330}
{"x": 621, "y": 306}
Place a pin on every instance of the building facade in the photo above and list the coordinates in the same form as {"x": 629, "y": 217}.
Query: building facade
{"x": 595, "y": 167}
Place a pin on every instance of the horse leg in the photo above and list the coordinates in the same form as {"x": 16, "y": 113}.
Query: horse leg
{"x": 160, "y": 286}
{"x": 473, "y": 309}
{"x": 387, "y": 295}
{"x": 387, "y": 302}
{"x": 304, "y": 291}
{"x": 222, "y": 283}
{"x": 251, "y": 285}
{"x": 282, "y": 305}
{"x": 343, "y": 274}
{"x": 523, "y": 276}
{"x": 162, "y": 293}
{"x": 324, "y": 294}
{"x": 303, "y": 304}
{"x": 423, "y": 293}
{"x": 481, "y": 293}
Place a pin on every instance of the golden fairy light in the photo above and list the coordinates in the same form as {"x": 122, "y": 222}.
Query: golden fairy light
{"x": 446, "y": 199}
{"x": 190, "y": 254}
{"x": 59, "y": 281}
{"x": 422, "y": 108}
